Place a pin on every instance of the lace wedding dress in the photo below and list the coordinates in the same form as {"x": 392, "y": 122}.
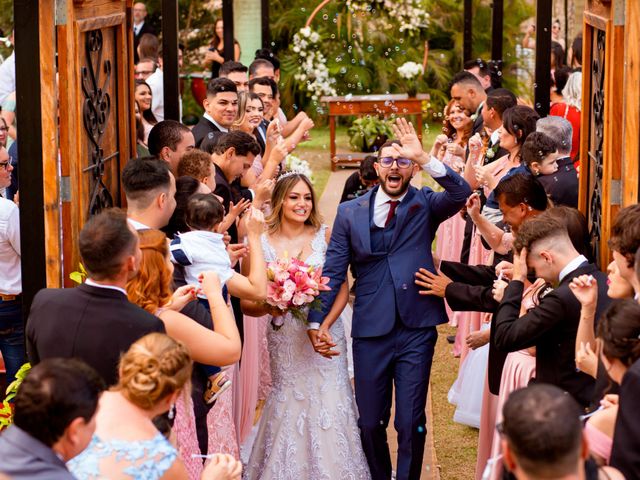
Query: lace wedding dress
{"x": 308, "y": 428}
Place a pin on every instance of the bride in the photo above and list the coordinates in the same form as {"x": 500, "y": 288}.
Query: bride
{"x": 308, "y": 428}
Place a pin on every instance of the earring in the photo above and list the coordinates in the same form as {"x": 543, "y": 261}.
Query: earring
{"x": 172, "y": 412}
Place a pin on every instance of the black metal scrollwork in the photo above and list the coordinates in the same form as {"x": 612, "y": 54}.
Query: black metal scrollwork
{"x": 596, "y": 137}
{"x": 95, "y": 112}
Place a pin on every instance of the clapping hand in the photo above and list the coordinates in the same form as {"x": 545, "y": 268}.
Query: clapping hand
{"x": 475, "y": 143}
{"x": 520, "y": 265}
{"x": 274, "y": 132}
{"x": 411, "y": 147}
{"x": 181, "y": 297}
{"x": 498, "y": 290}
{"x": 263, "y": 191}
{"x": 473, "y": 206}
{"x": 585, "y": 288}
{"x": 587, "y": 359}
{"x": 505, "y": 269}
{"x": 222, "y": 467}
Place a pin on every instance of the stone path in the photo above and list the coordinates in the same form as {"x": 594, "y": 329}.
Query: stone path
{"x": 327, "y": 205}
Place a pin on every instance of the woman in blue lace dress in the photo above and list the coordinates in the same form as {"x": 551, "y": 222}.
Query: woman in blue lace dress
{"x": 126, "y": 444}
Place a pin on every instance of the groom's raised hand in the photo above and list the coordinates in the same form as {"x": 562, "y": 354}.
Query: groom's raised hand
{"x": 411, "y": 146}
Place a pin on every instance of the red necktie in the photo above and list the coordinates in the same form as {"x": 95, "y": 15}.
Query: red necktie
{"x": 393, "y": 204}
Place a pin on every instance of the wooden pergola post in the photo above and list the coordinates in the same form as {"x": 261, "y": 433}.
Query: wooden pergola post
{"x": 468, "y": 31}
{"x": 36, "y": 115}
{"x": 227, "y": 19}
{"x": 542, "y": 95}
{"x": 170, "y": 70}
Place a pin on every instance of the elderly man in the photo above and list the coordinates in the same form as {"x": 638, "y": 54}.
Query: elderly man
{"x": 140, "y": 27}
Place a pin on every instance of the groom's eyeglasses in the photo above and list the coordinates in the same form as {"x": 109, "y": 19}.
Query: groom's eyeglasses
{"x": 402, "y": 162}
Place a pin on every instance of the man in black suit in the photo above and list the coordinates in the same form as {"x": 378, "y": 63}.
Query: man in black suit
{"x": 625, "y": 453}
{"x": 220, "y": 110}
{"x": 169, "y": 141}
{"x": 94, "y": 321}
{"x": 480, "y": 69}
{"x": 140, "y": 27}
{"x": 562, "y": 186}
{"x": 543, "y": 244}
{"x": 468, "y": 93}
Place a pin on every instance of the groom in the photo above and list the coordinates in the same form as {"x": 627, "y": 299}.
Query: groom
{"x": 386, "y": 234}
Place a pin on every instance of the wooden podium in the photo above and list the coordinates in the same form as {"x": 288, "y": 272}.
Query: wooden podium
{"x": 359, "y": 105}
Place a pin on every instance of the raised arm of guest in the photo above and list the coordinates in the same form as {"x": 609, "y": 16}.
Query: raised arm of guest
{"x": 585, "y": 289}
{"x": 492, "y": 234}
{"x": 289, "y": 127}
{"x": 474, "y": 157}
{"x": 297, "y": 136}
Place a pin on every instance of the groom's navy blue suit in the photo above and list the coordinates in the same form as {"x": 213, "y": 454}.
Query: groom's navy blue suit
{"x": 393, "y": 326}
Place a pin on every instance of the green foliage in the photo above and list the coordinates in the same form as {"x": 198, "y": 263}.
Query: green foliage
{"x": 368, "y": 132}
{"x": 6, "y": 407}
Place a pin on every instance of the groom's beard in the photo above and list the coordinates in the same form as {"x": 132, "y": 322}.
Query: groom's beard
{"x": 397, "y": 192}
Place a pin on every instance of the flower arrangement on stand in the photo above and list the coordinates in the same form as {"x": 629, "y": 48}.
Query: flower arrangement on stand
{"x": 293, "y": 286}
{"x": 312, "y": 72}
{"x": 411, "y": 71}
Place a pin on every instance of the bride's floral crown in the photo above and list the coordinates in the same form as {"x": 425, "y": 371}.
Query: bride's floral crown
{"x": 291, "y": 173}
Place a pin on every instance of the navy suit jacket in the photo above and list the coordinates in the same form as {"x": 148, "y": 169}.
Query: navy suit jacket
{"x": 417, "y": 219}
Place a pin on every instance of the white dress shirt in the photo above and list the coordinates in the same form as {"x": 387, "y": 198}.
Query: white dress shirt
{"x": 220, "y": 127}
{"x": 8, "y": 77}
{"x": 571, "y": 266}
{"x": 137, "y": 225}
{"x": 88, "y": 281}
{"x": 156, "y": 83}
{"x": 11, "y": 278}
{"x": 137, "y": 28}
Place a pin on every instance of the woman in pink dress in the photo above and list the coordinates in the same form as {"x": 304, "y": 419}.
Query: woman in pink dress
{"x": 457, "y": 130}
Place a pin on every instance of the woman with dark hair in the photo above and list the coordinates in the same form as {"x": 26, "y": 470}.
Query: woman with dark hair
{"x": 558, "y": 82}
{"x": 143, "y": 97}
{"x": 215, "y": 54}
{"x": 557, "y": 57}
{"x": 310, "y": 414}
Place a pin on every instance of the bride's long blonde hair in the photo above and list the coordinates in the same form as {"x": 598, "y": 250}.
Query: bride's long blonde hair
{"x": 280, "y": 191}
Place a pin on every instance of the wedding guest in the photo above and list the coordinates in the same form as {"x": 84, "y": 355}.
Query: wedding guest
{"x": 12, "y": 331}
{"x": 467, "y": 92}
{"x": 562, "y": 185}
{"x": 8, "y": 132}
{"x": 558, "y": 82}
{"x": 542, "y": 436}
{"x": 539, "y": 154}
{"x": 480, "y": 70}
{"x": 362, "y": 181}
{"x": 148, "y": 47}
{"x": 169, "y": 141}
{"x": 185, "y": 187}
{"x": 150, "y": 189}
{"x": 215, "y": 54}
{"x": 261, "y": 67}
{"x": 104, "y": 323}
{"x": 575, "y": 53}
{"x": 498, "y": 101}
{"x": 8, "y": 72}
{"x": 144, "y": 68}
{"x": 267, "y": 54}
{"x": 569, "y": 109}
{"x": 558, "y": 57}
{"x": 140, "y": 27}
{"x": 237, "y": 73}
{"x": 220, "y": 110}
{"x": 143, "y": 98}
{"x": 624, "y": 243}
{"x": 543, "y": 244}
{"x": 198, "y": 164}
{"x": 53, "y": 421}
{"x": 152, "y": 374}
{"x": 156, "y": 82}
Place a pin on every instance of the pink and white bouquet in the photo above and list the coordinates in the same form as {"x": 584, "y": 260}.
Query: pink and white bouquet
{"x": 293, "y": 286}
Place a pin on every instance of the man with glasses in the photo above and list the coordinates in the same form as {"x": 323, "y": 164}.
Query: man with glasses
{"x": 140, "y": 26}
{"x": 384, "y": 235}
{"x": 144, "y": 68}
{"x": 11, "y": 323}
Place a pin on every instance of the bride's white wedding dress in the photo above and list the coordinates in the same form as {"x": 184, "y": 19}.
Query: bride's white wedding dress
{"x": 308, "y": 428}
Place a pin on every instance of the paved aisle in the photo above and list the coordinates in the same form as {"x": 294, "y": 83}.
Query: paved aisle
{"x": 328, "y": 205}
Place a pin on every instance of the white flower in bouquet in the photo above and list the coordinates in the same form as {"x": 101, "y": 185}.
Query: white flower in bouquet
{"x": 410, "y": 70}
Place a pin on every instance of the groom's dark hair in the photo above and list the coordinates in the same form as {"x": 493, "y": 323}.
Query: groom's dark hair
{"x": 386, "y": 144}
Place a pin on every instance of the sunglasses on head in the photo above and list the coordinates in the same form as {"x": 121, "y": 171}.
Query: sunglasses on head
{"x": 402, "y": 162}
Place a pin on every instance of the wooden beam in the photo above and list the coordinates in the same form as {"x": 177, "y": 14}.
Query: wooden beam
{"x": 36, "y": 114}
{"x": 266, "y": 31}
{"x": 170, "y": 69}
{"x": 497, "y": 23}
{"x": 543, "y": 57}
{"x": 227, "y": 20}
{"x": 631, "y": 109}
{"x": 468, "y": 31}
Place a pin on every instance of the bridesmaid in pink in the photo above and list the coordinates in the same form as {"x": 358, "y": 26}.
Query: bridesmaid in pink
{"x": 457, "y": 130}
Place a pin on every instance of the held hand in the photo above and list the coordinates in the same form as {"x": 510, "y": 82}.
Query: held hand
{"x": 238, "y": 209}
{"x": 255, "y": 222}
{"x": 237, "y": 251}
{"x": 210, "y": 283}
{"x": 181, "y": 297}
{"x": 435, "y": 284}
{"x": 585, "y": 289}
{"x": 505, "y": 269}
{"x": 473, "y": 206}
{"x": 411, "y": 146}
{"x": 478, "y": 338}
{"x": 320, "y": 345}
{"x": 520, "y": 265}
{"x": 587, "y": 360}
{"x": 498, "y": 290}
{"x": 222, "y": 467}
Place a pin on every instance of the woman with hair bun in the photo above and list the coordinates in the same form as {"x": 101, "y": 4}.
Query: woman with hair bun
{"x": 154, "y": 372}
